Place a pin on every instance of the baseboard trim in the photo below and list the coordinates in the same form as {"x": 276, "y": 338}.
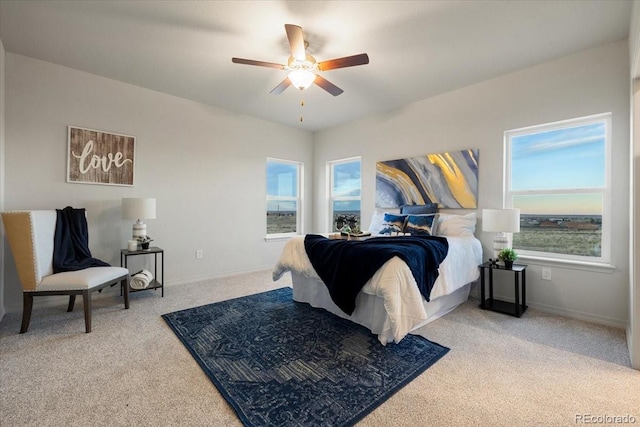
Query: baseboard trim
{"x": 573, "y": 314}
{"x": 187, "y": 281}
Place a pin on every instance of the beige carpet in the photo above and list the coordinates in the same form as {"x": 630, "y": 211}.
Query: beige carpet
{"x": 540, "y": 370}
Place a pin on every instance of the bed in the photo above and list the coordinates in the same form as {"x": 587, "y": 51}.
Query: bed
{"x": 390, "y": 304}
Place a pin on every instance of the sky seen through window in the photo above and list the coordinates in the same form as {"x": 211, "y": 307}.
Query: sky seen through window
{"x": 560, "y": 159}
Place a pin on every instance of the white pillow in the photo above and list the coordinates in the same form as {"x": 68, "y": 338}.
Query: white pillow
{"x": 456, "y": 225}
{"x": 376, "y": 222}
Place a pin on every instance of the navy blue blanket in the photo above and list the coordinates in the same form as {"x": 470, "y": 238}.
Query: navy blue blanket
{"x": 345, "y": 266}
{"x": 71, "y": 242}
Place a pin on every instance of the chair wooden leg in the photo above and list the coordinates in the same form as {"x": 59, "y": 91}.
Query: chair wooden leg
{"x": 125, "y": 285}
{"x": 72, "y": 301}
{"x": 27, "y": 305}
{"x": 86, "y": 301}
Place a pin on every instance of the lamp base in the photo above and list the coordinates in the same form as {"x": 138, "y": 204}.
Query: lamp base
{"x": 139, "y": 229}
{"x": 501, "y": 241}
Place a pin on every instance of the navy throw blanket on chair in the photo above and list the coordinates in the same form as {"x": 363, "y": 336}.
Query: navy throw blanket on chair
{"x": 71, "y": 242}
{"x": 346, "y": 266}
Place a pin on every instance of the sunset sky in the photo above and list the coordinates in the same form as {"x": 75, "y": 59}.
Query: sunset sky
{"x": 560, "y": 159}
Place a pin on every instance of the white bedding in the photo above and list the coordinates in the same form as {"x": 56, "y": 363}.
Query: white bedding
{"x": 394, "y": 282}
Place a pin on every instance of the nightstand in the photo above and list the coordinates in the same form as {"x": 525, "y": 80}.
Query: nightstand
{"x": 520, "y": 274}
{"x": 155, "y": 283}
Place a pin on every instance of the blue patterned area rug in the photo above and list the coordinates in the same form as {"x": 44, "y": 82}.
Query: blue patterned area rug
{"x": 282, "y": 363}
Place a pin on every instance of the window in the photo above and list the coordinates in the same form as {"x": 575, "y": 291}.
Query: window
{"x": 283, "y": 197}
{"x": 344, "y": 193}
{"x": 558, "y": 176}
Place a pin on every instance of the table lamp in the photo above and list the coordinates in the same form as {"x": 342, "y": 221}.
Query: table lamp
{"x": 503, "y": 222}
{"x": 139, "y": 209}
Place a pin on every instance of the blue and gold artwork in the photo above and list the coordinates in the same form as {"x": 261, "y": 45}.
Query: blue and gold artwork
{"x": 449, "y": 179}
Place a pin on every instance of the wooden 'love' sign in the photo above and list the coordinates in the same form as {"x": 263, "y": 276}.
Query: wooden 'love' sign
{"x": 97, "y": 157}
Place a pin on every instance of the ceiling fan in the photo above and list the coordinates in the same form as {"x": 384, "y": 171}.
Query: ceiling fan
{"x": 303, "y": 68}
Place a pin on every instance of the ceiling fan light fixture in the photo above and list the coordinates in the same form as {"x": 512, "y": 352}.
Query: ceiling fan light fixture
{"x": 303, "y": 69}
{"x": 302, "y": 78}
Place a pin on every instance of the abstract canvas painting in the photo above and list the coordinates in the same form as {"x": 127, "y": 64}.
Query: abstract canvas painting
{"x": 449, "y": 179}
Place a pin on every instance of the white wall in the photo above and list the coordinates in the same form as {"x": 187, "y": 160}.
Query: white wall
{"x": 205, "y": 166}
{"x": 633, "y": 329}
{"x": 586, "y": 83}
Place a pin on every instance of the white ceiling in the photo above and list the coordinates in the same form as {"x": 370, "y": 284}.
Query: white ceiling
{"x": 417, "y": 49}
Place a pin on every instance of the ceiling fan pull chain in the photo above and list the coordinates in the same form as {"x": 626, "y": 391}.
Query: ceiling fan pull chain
{"x": 301, "y": 105}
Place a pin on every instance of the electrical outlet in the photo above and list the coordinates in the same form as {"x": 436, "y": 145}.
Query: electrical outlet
{"x": 546, "y": 273}
{"x": 199, "y": 254}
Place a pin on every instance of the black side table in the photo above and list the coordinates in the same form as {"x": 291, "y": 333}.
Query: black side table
{"x": 517, "y": 309}
{"x": 155, "y": 283}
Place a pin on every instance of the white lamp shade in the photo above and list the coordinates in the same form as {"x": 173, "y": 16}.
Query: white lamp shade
{"x": 138, "y": 208}
{"x": 501, "y": 220}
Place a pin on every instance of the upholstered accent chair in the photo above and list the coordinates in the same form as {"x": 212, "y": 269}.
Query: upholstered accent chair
{"x": 31, "y": 238}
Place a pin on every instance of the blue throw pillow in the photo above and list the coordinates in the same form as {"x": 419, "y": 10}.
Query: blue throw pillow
{"x": 421, "y": 225}
{"x": 392, "y": 223}
{"x": 429, "y": 208}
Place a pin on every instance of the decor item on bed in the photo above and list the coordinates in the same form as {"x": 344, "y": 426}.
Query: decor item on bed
{"x": 375, "y": 225}
{"x": 448, "y": 179}
{"x": 421, "y": 225}
{"x": 392, "y": 224}
{"x": 355, "y": 233}
{"x": 429, "y": 208}
{"x": 390, "y": 303}
{"x": 282, "y": 363}
{"x": 346, "y": 220}
{"x": 97, "y": 157}
{"x": 412, "y": 220}
{"x": 452, "y": 225}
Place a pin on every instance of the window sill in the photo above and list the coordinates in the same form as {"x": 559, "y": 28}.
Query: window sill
{"x": 278, "y": 237}
{"x": 570, "y": 264}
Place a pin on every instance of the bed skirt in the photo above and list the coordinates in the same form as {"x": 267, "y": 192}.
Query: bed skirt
{"x": 370, "y": 311}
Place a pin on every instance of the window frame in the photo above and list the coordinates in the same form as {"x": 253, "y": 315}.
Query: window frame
{"x": 605, "y": 254}
{"x": 298, "y": 199}
{"x": 330, "y": 196}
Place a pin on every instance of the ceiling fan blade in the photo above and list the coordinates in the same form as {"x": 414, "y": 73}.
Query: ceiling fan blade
{"x": 296, "y": 41}
{"x": 347, "y": 61}
{"x": 258, "y": 63}
{"x": 281, "y": 87}
{"x": 328, "y": 86}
